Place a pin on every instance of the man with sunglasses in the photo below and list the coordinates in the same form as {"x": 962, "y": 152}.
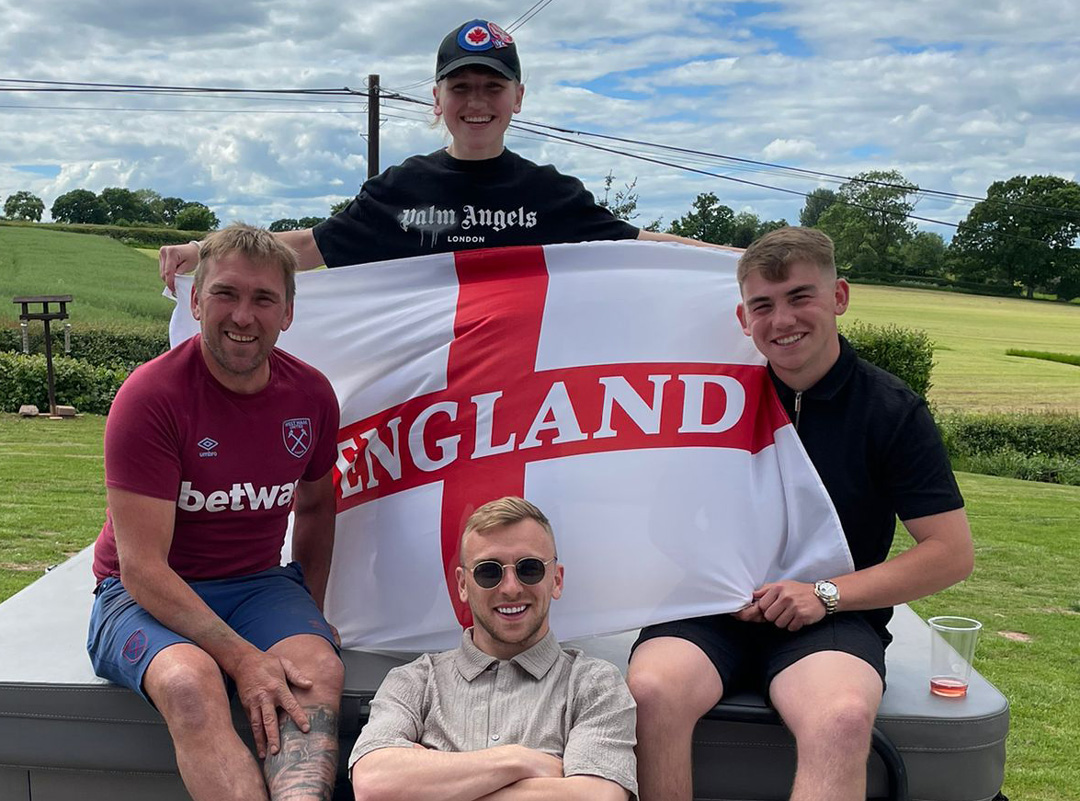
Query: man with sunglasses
{"x": 508, "y": 714}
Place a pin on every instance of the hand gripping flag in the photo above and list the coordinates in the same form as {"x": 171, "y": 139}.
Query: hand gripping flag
{"x": 608, "y": 383}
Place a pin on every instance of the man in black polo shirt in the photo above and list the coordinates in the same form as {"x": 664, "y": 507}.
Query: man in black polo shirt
{"x": 817, "y": 649}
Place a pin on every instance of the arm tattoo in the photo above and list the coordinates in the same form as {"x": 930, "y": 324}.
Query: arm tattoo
{"x": 305, "y": 767}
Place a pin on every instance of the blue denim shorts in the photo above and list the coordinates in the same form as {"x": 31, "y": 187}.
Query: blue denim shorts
{"x": 263, "y": 608}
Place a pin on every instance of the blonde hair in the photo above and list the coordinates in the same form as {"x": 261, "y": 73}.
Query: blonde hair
{"x": 775, "y": 253}
{"x": 504, "y": 512}
{"x": 255, "y": 244}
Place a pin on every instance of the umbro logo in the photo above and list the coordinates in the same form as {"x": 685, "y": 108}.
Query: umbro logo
{"x": 207, "y": 445}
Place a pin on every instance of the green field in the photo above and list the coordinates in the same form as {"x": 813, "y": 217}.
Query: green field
{"x": 971, "y": 334}
{"x": 110, "y": 282}
{"x": 114, "y": 283}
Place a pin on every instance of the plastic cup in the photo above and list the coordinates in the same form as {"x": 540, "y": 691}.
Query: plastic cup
{"x": 952, "y": 649}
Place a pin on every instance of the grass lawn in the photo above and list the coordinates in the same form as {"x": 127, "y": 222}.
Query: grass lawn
{"x": 52, "y": 493}
{"x": 109, "y": 282}
{"x": 971, "y": 334}
{"x": 1024, "y": 588}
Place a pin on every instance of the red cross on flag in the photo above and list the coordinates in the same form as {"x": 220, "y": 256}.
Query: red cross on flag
{"x": 608, "y": 383}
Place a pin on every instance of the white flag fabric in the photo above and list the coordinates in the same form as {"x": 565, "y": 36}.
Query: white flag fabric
{"x": 608, "y": 383}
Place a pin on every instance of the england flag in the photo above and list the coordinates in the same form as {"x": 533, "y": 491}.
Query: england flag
{"x": 608, "y": 383}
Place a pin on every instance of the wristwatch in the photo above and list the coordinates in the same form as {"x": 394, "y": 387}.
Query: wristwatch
{"x": 829, "y": 594}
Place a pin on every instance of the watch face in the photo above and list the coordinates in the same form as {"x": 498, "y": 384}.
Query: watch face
{"x": 827, "y": 589}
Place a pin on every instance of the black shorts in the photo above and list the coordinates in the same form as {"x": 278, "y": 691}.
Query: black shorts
{"x": 748, "y": 656}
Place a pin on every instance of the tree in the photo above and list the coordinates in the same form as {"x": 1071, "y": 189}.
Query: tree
{"x": 170, "y": 207}
{"x": 79, "y": 206}
{"x": 24, "y": 206}
{"x": 707, "y": 221}
{"x": 121, "y": 205}
{"x": 284, "y": 224}
{"x": 770, "y": 225}
{"x": 748, "y": 227}
{"x": 624, "y": 204}
{"x": 309, "y": 222}
{"x": 923, "y": 254}
{"x": 196, "y": 217}
{"x": 1023, "y": 233}
{"x": 151, "y": 206}
{"x": 340, "y": 206}
{"x": 744, "y": 229}
{"x": 868, "y": 222}
{"x": 816, "y": 203}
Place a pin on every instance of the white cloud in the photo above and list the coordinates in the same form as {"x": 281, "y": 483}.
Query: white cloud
{"x": 953, "y": 94}
{"x": 789, "y": 150}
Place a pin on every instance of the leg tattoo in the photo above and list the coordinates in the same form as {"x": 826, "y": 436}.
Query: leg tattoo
{"x": 305, "y": 767}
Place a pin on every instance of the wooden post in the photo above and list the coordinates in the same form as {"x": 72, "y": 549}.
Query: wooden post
{"x": 46, "y": 316}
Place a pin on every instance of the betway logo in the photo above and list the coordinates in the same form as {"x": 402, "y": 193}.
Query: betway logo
{"x": 235, "y": 499}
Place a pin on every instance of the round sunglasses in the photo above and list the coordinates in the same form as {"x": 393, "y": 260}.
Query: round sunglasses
{"x": 529, "y": 569}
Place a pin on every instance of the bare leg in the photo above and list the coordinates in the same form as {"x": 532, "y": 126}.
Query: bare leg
{"x": 829, "y": 701}
{"x": 306, "y": 766}
{"x": 185, "y": 684}
{"x": 674, "y": 684}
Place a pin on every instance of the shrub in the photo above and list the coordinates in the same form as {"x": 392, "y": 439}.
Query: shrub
{"x": 1055, "y": 434}
{"x": 134, "y": 236}
{"x": 119, "y": 346}
{"x": 1063, "y": 358}
{"x": 907, "y": 353}
{"x": 103, "y": 345}
{"x": 1013, "y": 464}
{"x": 87, "y": 387}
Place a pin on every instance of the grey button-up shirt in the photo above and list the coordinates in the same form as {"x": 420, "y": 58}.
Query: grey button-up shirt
{"x": 559, "y": 701}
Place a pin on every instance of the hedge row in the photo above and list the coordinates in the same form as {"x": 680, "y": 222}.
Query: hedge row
{"x": 907, "y": 353}
{"x": 1013, "y": 464}
{"x": 87, "y": 387}
{"x": 934, "y": 282}
{"x": 1062, "y": 358}
{"x": 1032, "y": 433}
{"x": 104, "y": 345}
{"x": 137, "y": 236}
{"x": 1030, "y": 446}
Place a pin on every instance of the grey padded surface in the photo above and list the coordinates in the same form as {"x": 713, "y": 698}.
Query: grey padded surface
{"x": 61, "y": 722}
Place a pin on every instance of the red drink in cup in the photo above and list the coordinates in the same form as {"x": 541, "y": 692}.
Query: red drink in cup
{"x": 952, "y": 647}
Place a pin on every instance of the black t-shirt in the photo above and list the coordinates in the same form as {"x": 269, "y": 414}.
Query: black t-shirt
{"x": 878, "y": 452}
{"x": 437, "y": 203}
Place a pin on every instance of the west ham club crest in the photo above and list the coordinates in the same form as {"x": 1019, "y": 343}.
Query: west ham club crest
{"x": 297, "y": 435}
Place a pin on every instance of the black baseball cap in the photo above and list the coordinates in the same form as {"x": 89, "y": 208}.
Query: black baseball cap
{"x": 478, "y": 43}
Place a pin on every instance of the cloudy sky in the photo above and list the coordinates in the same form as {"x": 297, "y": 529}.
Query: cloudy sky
{"x": 953, "y": 93}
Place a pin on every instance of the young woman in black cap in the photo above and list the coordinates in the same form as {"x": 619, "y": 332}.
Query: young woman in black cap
{"x": 474, "y": 193}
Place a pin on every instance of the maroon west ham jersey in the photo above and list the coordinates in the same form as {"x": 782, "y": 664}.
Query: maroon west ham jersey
{"x": 230, "y": 462}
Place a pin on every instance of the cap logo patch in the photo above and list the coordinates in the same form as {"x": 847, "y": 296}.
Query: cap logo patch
{"x": 475, "y": 37}
{"x": 499, "y": 37}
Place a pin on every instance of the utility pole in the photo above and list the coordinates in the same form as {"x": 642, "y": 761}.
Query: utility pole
{"x": 373, "y": 126}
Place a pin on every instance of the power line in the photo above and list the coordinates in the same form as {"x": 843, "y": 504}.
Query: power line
{"x": 144, "y": 110}
{"x": 743, "y": 164}
{"x": 26, "y": 85}
{"x": 535, "y": 9}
